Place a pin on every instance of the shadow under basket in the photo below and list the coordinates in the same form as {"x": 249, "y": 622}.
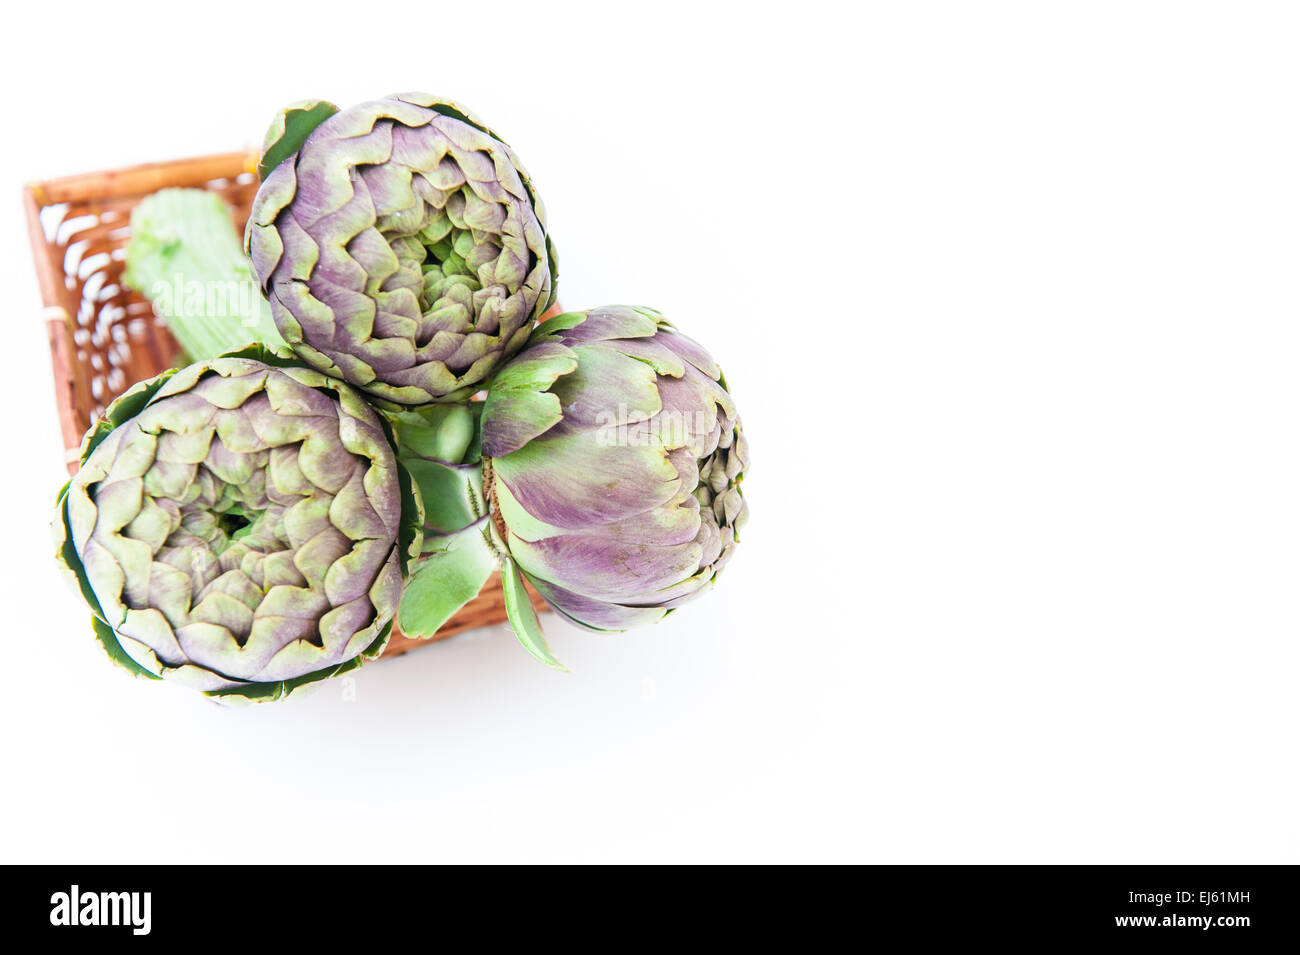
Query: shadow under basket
{"x": 104, "y": 337}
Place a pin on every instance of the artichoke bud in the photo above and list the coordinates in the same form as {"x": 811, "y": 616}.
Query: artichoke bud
{"x": 241, "y": 526}
{"x": 613, "y": 462}
{"x": 373, "y": 231}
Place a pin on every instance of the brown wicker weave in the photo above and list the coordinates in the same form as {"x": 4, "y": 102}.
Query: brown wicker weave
{"x": 104, "y": 337}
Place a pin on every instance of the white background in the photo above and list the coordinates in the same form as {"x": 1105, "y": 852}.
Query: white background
{"x": 1008, "y": 296}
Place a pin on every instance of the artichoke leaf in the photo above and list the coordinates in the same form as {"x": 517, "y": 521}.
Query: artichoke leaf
{"x": 441, "y": 432}
{"x": 523, "y": 617}
{"x": 290, "y": 130}
{"x": 446, "y": 580}
{"x": 453, "y": 497}
{"x": 107, "y": 639}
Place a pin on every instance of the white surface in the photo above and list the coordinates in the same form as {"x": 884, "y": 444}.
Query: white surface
{"x": 1009, "y": 299}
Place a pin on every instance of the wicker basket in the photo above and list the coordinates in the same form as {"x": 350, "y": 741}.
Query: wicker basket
{"x": 104, "y": 337}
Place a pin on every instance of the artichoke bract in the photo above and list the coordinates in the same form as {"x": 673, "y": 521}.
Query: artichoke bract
{"x": 241, "y": 526}
{"x": 613, "y": 459}
{"x": 401, "y": 244}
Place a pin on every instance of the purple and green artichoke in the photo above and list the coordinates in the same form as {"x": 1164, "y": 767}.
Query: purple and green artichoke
{"x": 401, "y": 244}
{"x": 241, "y": 526}
{"x": 613, "y": 460}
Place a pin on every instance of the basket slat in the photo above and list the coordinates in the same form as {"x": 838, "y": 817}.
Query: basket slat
{"x": 104, "y": 337}
{"x": 137, "y": 181}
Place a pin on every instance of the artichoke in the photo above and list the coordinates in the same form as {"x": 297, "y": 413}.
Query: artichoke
{"x": 401, "y": 245}
{"x": 613, "y": 458}
{"x": 241, "y": 526}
